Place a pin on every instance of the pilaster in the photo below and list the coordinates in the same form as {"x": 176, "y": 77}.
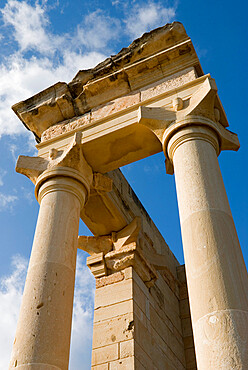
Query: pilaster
{"x": 136, "y": 317}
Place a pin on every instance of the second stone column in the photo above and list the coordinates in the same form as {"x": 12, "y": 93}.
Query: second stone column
{"x": 216, "y": 274}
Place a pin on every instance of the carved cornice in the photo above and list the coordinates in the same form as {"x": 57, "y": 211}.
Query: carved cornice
{"x": 152, "y": 57}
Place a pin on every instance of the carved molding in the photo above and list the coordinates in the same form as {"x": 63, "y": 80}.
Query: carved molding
{"x": 152, "y": 57}
{"x": 131, "y": 255}
{"x": 72, "y": 157}
{"x": 109, "y": 254}
{"x": 96, "y": 264}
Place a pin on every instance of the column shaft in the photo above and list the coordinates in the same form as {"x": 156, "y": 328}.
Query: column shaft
{"x": 216, "y": 274}
{"x": 43, "y": 333}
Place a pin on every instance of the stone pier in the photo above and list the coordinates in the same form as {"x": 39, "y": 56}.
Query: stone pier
{"x": 150, "y": 97}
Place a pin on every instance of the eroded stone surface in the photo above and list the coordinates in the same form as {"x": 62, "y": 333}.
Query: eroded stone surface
{"x": 66, "y": 126}
{"x": 119, "y": 75}
{"x": 168, "y": 83}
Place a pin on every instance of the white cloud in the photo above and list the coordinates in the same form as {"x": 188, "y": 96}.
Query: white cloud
{"x": 98, "y": 29}
{"x": 11, "y": 288}
{"x": 2, "y": 174}
{"x": 29, "y": 24}
{"x": 6, "y": 201}
{"x": 82, "y": 323}
{"x": 13, "y": 149}
{"x": 21, "y": 78}
{"x": 144, "y": 17}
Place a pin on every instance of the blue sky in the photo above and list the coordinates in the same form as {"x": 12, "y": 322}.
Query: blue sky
{"x": 42, "y": 42}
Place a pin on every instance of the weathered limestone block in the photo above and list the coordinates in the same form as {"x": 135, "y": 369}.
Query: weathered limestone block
{"x": 106, "y": 354}
{"x": 169, "y": 83}
{"x": 130, "y": 255}
{"x": 188, "y": 340}
{"x": 126, "y": 312}
{"x": 97, "y": 264}
{"x": 66, "y": 126}
{"x": 117, "y": 252}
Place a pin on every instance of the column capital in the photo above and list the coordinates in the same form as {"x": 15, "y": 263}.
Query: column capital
{"x": 193, "y": 128}
{"x": 199, "y": 106}
{"x": 69, "y": 163}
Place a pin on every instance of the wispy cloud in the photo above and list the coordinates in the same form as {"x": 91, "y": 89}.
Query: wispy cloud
{"x": 29, "y": 25}
{"x": 20, "y": 78}
{"x": 2, "y": 174}
{"x": 7, "y": 201}
{"x": 98, "y": 29}
{"x": 82, "y": 323}
{"x": 11, "y": 288}
{"x": 41, "y": 57}
{"x": 50, "y": 59}
{"x": 144, "y": 17}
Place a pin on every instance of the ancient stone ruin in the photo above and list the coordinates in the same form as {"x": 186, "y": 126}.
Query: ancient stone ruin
{"x": 152, "y": 96}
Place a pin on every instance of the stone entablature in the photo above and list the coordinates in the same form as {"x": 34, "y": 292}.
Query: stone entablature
{"x": 135, "y": 132}
{"x": 120, "y": 104}
{"x": 153, "y": 57}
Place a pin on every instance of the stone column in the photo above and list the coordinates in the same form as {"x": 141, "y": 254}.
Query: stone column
{"x": 43, "y": 333}
{"x": 216, "y": 274}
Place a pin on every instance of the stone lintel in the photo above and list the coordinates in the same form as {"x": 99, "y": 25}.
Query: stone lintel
{"x": 152, "y": 57}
